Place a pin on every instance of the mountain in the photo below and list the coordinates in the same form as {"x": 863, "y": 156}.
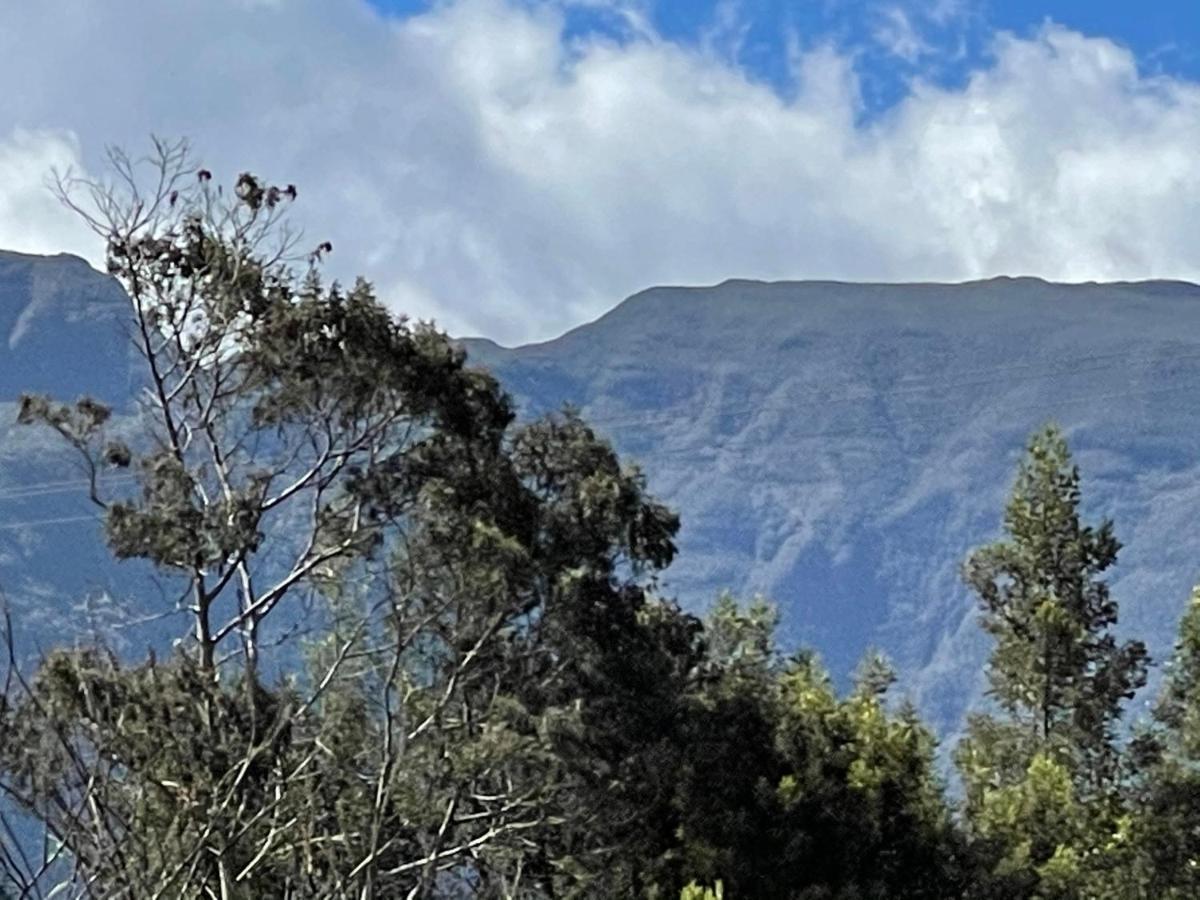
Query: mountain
{"x": 839, "y": 448}
{"x": 61, "y": 329}
{"x": 62, "y": 332}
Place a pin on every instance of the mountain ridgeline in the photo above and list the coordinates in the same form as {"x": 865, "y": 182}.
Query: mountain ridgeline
{"x": 840, "y": 448}
{"x": 837, "y": 448}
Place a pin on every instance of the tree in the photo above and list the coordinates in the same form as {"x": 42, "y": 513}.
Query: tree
{"x": 729, "y": 767}
{"x": 411, "y": 622}
{"x": 280, "y": 417}
{"x": 864, "y": 814}
{"x": 1163, "y": 834}
{"x": 788, "y": 790}
{"x": 1058, "y": 677}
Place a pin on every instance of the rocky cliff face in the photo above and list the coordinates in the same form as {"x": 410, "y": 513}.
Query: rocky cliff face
{"x": 839, "y": 448}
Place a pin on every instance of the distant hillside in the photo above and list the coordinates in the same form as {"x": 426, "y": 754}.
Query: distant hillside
{"x": 837, "y": 447}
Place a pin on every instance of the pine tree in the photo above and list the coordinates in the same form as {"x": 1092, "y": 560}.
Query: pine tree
{"x": 1165, "y": 827}
{"x": 1178, "y": 708}
{"x": 1058, "y": 678}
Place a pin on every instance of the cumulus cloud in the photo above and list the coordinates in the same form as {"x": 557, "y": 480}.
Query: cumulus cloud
{"x": 484, "y": 171}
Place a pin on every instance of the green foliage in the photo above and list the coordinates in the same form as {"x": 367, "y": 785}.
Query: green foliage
{"x": 284, "y": 418}
{"x": 1057, "y": 671}
{"x": 161, "y": 751}
{"x": 787, "y": 790}
{"x": 694, "y": 891}
{"x": 1178, "y": 708}
{"x": 1162, "y": 836}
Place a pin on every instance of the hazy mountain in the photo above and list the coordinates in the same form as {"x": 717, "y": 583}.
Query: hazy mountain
{"x": 62, "y": 332}
{"x": 837, "y": 447}
{"x": 61, "y": 328}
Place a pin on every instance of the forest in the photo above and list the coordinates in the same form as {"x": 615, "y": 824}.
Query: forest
{"x": 428, "y": 656}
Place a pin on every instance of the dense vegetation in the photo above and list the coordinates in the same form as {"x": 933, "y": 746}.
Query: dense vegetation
{"x": 426, "y": 656}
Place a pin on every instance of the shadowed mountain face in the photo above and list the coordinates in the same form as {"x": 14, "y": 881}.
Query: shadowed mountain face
{"x": 839, "y": 448}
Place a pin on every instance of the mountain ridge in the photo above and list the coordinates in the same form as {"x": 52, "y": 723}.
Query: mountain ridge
{"x": 1149, "y": 285}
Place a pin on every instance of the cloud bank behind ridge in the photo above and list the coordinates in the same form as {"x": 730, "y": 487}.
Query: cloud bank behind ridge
{"x": 488, "y": 171}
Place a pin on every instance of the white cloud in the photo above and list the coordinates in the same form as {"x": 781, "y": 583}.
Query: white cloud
{"x": 895, "y": 32}
{"x": 483, "y": 173}
{"x": 31, "y": 219}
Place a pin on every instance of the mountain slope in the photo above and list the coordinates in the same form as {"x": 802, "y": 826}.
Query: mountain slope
{"x": 841, "y": 448}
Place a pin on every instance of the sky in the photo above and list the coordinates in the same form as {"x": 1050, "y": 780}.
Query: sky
{"x": 514, "y": 168}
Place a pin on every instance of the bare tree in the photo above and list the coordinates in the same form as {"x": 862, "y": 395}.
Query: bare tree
{"x": 269, "y": 399}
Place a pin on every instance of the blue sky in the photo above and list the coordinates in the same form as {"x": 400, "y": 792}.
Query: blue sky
{"x": 513, "y": 168}
{"x": 952, "y": 37}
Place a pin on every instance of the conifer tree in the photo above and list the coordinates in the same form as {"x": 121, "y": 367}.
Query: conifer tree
{"x": 1178, "y": 708}
{"x": 1165, "y": 825}
{"x": 1058, "y": 678}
